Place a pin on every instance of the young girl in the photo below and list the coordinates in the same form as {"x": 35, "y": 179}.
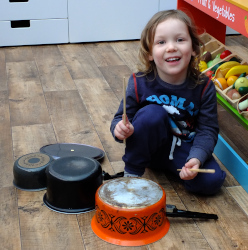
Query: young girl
{"x": 171, "y": 109}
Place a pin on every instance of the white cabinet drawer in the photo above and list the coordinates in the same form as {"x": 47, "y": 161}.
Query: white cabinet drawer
{"x": 32, "y": 9}
{"x": 40, "y": 32}
{"x": 101, "y": 20}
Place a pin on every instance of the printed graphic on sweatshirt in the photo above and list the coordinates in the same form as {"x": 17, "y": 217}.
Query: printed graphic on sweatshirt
{"x": 173, "y": 105}
{"x": 173, "y": 101}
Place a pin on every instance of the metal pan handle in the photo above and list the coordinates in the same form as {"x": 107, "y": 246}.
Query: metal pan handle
{"x": 172, "y": 211}
{"x": 107, "y": 176}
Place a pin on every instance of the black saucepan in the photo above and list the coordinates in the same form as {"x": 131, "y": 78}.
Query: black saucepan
{"x": 72, "y": 183}
{"x": 29, "y": 171}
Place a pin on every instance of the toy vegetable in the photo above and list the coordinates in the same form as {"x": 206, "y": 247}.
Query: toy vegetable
{"x": 202, "y": 66}
{"x": 243, "y": 105}
{"x": 225, "y": 53}
{"x": 241, "y": 85}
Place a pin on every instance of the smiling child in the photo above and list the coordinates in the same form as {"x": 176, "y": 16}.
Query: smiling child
{"x": 171, "y": 108}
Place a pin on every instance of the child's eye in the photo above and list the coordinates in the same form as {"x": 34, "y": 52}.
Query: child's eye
{"x": 161, "y": 42}
{"x": 180, "y": 39}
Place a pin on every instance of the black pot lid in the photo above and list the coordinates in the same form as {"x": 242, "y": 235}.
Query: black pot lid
{"x": 59, "y": 150}
{"x": 66, "y": 211}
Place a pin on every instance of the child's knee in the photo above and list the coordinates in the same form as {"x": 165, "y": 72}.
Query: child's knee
{"x": 210, "y": 184}
{"x": 151, "y": 115}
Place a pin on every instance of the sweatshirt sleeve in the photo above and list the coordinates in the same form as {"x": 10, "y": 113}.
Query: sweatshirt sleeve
{"x": 132, "y": 106}
{"x": 207, "y": 126}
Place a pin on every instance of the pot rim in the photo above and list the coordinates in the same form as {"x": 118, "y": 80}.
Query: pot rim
{"x": 99, "y": 156}
{"x": 66, "y": 211}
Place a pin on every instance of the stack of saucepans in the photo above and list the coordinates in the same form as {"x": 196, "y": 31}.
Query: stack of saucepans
{"x": 71, "y": 174}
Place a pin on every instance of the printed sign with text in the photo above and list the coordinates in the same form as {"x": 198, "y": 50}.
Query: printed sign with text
{"x": 227, "y": 13}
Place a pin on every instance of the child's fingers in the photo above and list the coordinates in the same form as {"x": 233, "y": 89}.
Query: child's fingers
{"x": 123, "y": 131}
{"x": 119, "y": 131}
{"x": 186, "y": 174}
{"x": 122, "y": 128}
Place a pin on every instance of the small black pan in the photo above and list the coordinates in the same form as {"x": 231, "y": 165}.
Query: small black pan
{"x": 29, "y": 171}
{"x": 71, "y": 184}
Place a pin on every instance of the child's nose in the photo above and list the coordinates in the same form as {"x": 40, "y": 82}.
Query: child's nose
{"x": 171, "y": 47}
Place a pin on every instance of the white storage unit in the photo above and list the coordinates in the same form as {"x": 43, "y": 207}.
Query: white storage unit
{"x": 27, "y": 22}
{"x": 106, "y": 20}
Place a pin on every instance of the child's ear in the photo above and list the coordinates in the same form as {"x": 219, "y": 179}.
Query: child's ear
{"x": 150, "y": 57}
{"x": 193, "y": 53}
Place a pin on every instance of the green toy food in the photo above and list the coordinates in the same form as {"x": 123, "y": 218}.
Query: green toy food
{"x": 241, "y": 85}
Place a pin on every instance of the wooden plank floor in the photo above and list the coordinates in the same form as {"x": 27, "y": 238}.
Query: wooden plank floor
{"x": 69, "y": 93}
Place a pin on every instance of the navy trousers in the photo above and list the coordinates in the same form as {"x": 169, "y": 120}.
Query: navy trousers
{"x": 150, "y": 145}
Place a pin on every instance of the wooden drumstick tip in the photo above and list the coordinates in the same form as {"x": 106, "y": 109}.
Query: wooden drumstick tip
{"x": 201, "y": 170}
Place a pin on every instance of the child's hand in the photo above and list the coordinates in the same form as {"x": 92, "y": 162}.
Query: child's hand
{"x": 123, "y": 131}
{"x": 185, "y": 174}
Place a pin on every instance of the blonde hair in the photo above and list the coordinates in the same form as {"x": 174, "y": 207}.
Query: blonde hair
{"x": 147, "y": 38}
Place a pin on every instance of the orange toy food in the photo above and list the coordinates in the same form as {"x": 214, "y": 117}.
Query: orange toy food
{"x": 220, "y": 83}
{"x": 130, "y": 212}
{"x": 231, "y": 80}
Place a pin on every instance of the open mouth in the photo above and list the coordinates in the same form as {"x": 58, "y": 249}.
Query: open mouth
{"x": 172, "y": 59}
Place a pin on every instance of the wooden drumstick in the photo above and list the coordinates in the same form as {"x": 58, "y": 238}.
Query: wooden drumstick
{"x": 210, "y": 171}
{"x": 124, "y": 104}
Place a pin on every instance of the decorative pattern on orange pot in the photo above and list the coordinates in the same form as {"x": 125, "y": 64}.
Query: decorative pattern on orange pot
{"x": 130, "y": 212}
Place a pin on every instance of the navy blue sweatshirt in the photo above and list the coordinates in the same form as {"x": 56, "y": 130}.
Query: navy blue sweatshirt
{"x": 192, "y": 109}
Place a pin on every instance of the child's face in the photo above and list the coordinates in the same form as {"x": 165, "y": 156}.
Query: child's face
{"x": 172, "y": 50}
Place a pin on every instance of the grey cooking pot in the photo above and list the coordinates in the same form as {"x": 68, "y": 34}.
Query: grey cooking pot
{"x": 72, "y": 183}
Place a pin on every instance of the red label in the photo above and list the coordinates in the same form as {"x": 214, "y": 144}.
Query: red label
{"x": 227, "y": 13}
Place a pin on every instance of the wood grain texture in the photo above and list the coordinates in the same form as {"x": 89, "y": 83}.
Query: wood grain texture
{"x": 70, "y": 119}
{"x": 53, "y": 73}
{"x": 238, "y": 44}
{"x": 103, "y": 54}
{"x": 128, "y": 52}
{"x": 19, "y": 54}
{"x": 42, "y": 228}
{"x": 218, "y": 233}
{"x": 114, "y": 76}
{"x": 6, "y": 150}
{"x": 10, "y": 237}
{"x": 3, "y": 75}
{"x": 240, "y": 195}
{"x": 27, "y": 103}
{"x": 29, "y": 139}
{"x": 79, "y": 62}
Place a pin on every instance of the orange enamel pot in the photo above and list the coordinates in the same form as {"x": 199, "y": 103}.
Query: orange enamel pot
{"x": 130, "y": 212}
